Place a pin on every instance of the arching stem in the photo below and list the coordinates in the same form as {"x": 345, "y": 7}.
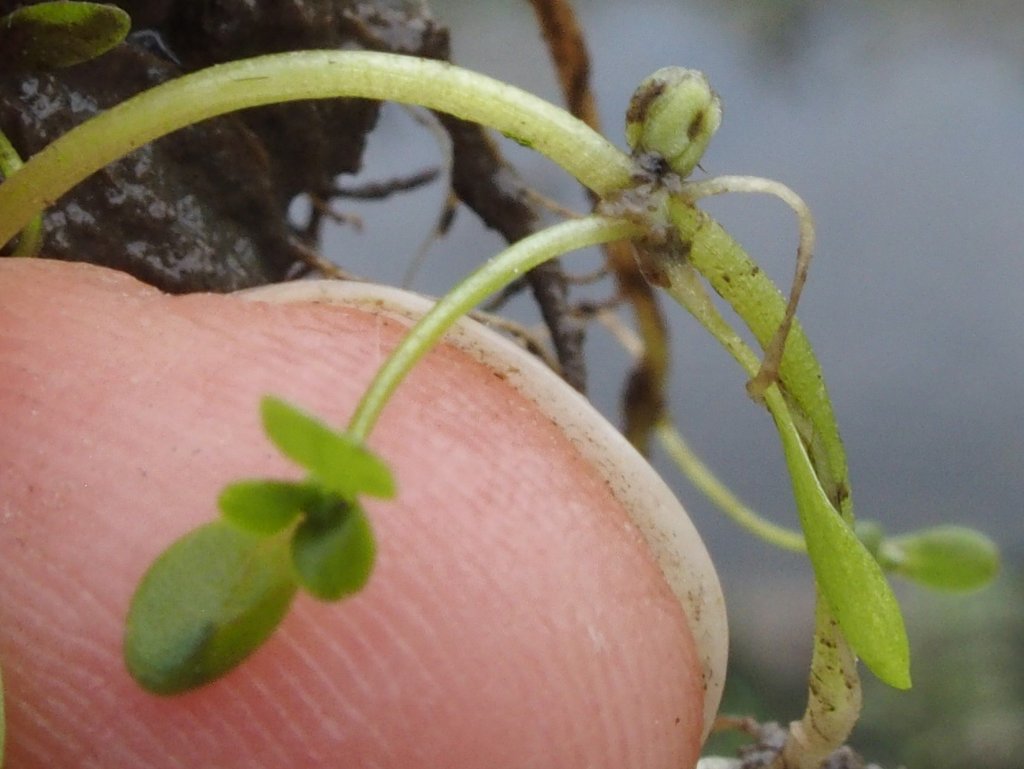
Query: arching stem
{"x": 494, "y": 275}
{"x": 32, "y": 234}
{"x": 224, "y": 88}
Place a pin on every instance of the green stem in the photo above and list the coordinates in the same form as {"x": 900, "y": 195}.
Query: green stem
{"x": 31, "y": 235}
{"x": 531, "y": 121}
{"x": 685, "y": 287}
{"x": 855, "y": 608}
{"x": 486, "y": 280}
{"x": 706, "y": 481}
{"x": 835, "y": 701}
{"x": 760, "y": 305}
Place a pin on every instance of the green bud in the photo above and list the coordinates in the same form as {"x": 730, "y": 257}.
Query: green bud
{"x": 673, "y": 115}
{"x": 943, "y": 557}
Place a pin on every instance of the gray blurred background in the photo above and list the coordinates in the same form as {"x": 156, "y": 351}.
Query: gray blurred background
{"x": 902, "y": 124}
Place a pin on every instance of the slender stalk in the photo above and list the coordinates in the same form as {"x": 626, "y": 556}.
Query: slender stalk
{"x": 701, "y": 476}
{"x": 494, "y": 275}
{"x": 644, "y": 396}
{"x": 237, "y": 85}
{"x": 32, "y": 234}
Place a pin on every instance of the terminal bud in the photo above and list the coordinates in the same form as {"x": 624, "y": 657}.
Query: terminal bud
{"x": 672, "y": 116}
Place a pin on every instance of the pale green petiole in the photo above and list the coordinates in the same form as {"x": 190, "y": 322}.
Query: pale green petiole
{"x": 494, "y": 275}
{"x": 705, "y": 480}
{"x": 284, "y": 77}
{"x": 834, "y": 696}
{"x": 720, "y": 185}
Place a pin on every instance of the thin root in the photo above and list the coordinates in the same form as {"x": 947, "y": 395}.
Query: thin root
{"x": 540, "y": 200}
{"x": 388, "y": 187}
{"x": 323, "y": 209}
{"x": 588, "y": 278}
{"x": 446, "y": 216}
{"x": 312, "y": 260}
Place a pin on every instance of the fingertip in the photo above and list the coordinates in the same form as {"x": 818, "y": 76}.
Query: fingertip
{"x": 515, "y": 617}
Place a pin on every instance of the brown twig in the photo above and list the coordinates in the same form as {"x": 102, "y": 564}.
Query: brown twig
{"x": 386, "y": 188}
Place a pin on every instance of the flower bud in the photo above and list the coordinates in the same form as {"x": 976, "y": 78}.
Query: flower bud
{"x": 673, "y": 115}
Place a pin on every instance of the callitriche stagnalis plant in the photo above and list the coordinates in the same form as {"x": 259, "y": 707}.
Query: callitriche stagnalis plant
{"x": 276, "y": 536}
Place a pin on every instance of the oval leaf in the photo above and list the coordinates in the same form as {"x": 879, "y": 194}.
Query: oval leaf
{"x": 340, "y": 464}
{"x": 205, "y": 604}
{"x": 943, "y": 557}
{"x": 266, "y": 507}
{"x": 60, "y": 34}
{"x": 334, "y": 558}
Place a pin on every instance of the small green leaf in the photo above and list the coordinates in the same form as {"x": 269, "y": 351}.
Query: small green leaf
{"x": 340, "y": 464}
{"x": 943, "y": 557}
{"x": 60, "y": 34}
{"x": 334, "y": 557}
{"x": 849, "y": 577}
{"x": 205, "y": 604}
{"x": 266, "y": 507}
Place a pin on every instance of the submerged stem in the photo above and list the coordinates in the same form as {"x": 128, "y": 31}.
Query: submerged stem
{"x": 495, "y": 274}
{"x": 236, "y": 85}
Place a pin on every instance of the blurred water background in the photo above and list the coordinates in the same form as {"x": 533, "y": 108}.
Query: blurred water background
{"x": 902, "y": 124}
